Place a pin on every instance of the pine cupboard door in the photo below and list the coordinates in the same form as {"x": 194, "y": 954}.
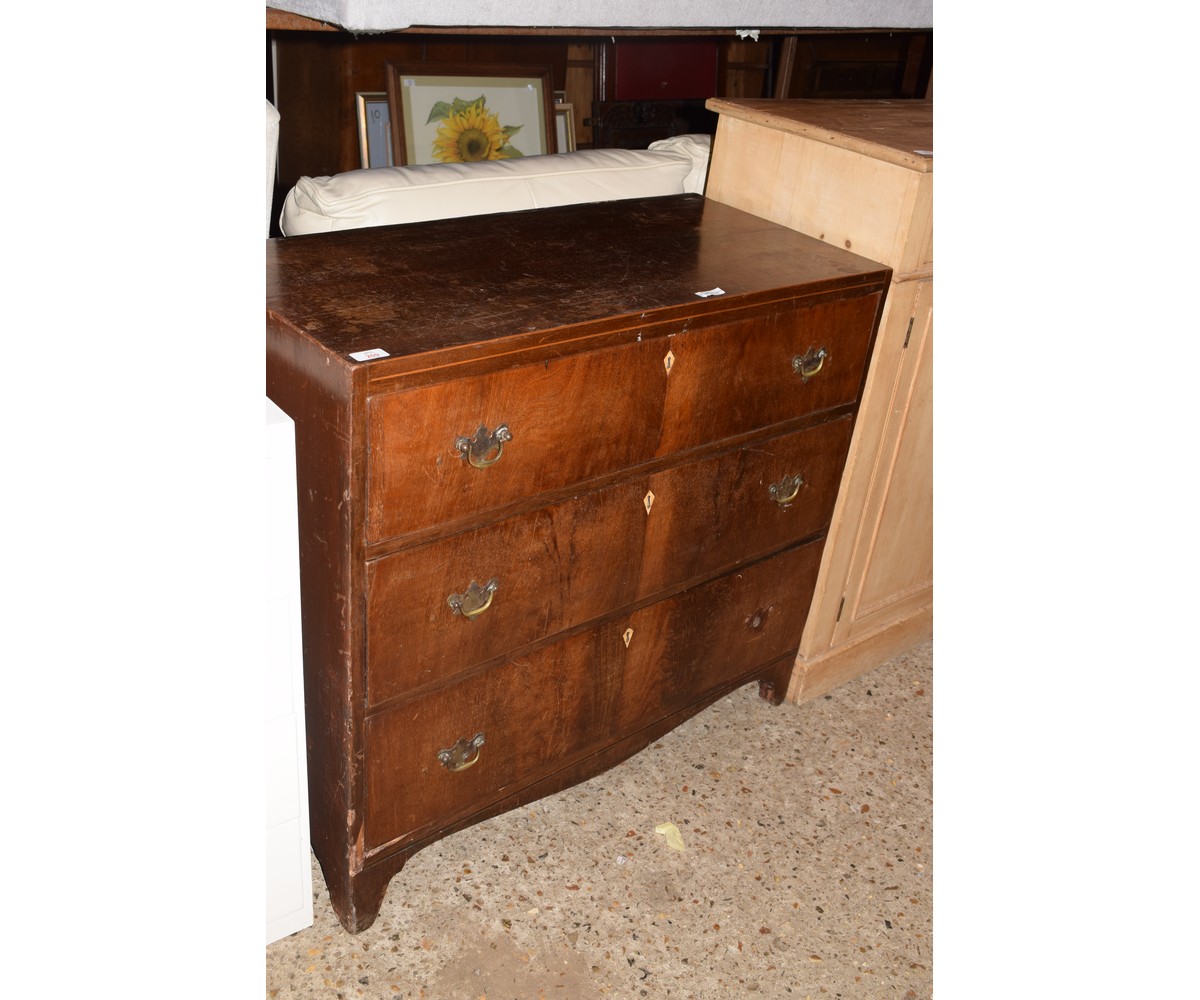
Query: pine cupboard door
{"x": 878, "y": 565}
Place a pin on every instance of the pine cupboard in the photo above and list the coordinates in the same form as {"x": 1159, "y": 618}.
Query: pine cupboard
{"x": 858, "y": 175}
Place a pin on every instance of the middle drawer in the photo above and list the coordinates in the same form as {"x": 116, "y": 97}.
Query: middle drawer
{"x": 440, "y": 609}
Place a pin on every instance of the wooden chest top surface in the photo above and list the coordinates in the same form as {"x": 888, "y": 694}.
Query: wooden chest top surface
{"x": 492, "y": 284}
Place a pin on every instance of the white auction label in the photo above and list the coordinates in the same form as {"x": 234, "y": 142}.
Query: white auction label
{"x": 370, "y": 355}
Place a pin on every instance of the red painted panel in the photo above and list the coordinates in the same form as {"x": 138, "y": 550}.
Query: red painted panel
{"x": 665, "y": 70}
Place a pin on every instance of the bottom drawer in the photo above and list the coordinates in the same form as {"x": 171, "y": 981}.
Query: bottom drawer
{"x": 540, "y": 713}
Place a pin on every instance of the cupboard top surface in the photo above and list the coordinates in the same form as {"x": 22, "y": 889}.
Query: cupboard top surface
{"x": 899, "y": 131}
{"x": 476, "y": 283}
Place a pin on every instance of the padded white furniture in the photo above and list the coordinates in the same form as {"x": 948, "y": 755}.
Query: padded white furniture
{"x": 289, "y": 858}
{"x": 389, "y": 195}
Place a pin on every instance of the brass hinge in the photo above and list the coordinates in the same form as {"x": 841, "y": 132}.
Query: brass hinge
{"x": 908, "y": 332}
{"x": 840, "y": 607}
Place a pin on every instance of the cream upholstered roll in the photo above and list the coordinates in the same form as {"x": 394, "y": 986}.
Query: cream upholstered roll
{"x": 389, "y": 195}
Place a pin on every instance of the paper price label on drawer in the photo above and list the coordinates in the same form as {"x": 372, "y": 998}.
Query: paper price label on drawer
{"x": 711, "y": 291}
{"x": 370, "y": 355}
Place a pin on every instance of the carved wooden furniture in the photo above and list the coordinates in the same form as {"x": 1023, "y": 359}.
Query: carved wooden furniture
{"x": 858, "y": 174}
{"x": 552, "y": 499}
{"x": 636, "y": 124}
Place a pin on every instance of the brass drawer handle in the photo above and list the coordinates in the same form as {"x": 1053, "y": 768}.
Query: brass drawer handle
{"x": 485, "y": 448}
{"x": 807, "y": 365}
{"x": 787, "y": 489}
{"x": 474, "y": 601}
{"x": 463, "y": 754}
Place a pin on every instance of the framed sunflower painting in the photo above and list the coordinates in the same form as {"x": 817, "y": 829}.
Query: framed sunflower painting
{"x": 460, "y": 114}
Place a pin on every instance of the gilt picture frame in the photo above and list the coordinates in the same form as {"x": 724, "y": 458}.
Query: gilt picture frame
{"x": 564, "y": 127}
{"x": 374, "y": 129}
{"x": 460, "y": 113}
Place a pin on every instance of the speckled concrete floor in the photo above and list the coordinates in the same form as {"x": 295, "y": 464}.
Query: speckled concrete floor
{"x": 805, "y": 871}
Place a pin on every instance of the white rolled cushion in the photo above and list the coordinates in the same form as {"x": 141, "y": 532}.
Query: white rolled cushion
{"x": 698, "y": 148}
{"x": 388, "y": 195}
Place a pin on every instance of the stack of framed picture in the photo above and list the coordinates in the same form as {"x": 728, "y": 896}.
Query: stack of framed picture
{"x": 374, "y": 129}
{"x": 440, "y": 113}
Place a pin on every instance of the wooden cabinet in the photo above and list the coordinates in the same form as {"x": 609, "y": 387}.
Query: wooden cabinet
{"x": 858, "y": 174}
{"x": 552, "y": 499}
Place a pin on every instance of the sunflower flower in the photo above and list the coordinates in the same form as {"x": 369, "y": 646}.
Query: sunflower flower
{"x": 469, "y": 132}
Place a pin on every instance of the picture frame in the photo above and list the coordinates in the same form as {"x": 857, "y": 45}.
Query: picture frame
{"x": 564, "y": 127}
{"x": 374, "y": 129}
{"x": 493, "y": 111}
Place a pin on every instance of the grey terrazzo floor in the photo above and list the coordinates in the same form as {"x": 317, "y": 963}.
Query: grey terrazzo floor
{"x": 805, "y": 871}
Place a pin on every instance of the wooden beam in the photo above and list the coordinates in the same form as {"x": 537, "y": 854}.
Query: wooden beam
{"x": 282, "y": 20}
{"x": 787, "y": 66}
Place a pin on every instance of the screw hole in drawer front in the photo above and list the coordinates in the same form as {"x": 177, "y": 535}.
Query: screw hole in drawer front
{"x": 544, "y": 711}
{"x": 570, "y": 562}
{"x": 733, "y": 379}
{"x": 757, "y": 620}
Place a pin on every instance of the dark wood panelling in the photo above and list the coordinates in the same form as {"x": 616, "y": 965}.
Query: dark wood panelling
{"x": 863, "y": 66}
{"x": 316, "y": 75}
{"x": 319, "y": 73}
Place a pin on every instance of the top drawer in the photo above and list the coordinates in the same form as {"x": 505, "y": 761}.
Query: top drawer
{"x": 757, "y": 372}
{"x": 456, "y": 449}
{"x": 565, "y": 421}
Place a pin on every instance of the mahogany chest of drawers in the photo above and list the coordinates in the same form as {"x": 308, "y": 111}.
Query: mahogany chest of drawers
{"x": 552, "y": 499}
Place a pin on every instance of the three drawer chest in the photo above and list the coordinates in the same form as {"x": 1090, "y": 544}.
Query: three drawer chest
{"x": 563, "y": 480}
